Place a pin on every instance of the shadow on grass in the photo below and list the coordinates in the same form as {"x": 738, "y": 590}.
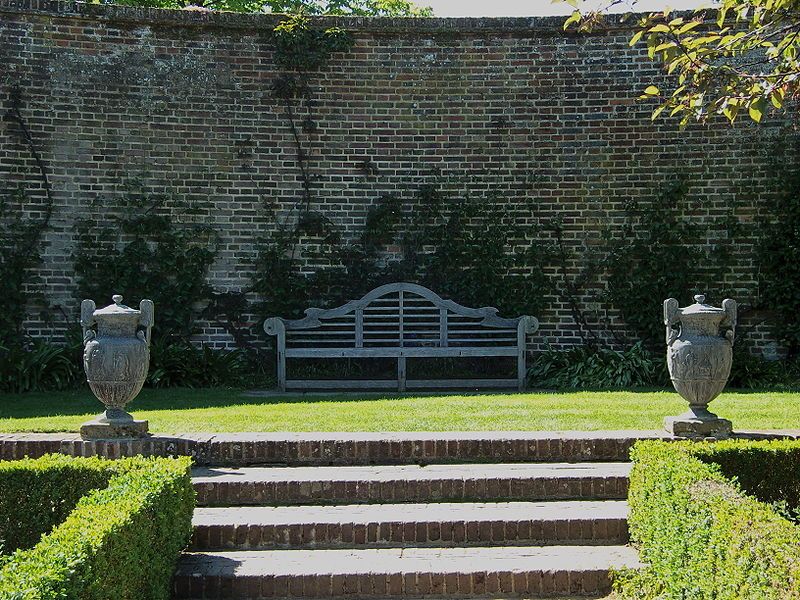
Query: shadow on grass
{"x": 82, "y": 402}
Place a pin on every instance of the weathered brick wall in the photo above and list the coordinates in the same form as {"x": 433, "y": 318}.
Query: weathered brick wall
{"x": 509, "y": 107}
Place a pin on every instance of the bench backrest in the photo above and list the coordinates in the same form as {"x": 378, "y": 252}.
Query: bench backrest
{"x": 403, "y": 315}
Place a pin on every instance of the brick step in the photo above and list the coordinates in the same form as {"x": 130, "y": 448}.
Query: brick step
{"x": 527, "y": 572}
{"x": 498, "y": 597}
{"x": 404, "y": 525}
{"x": 410, "y": 483}
{"x": 322, "y": 449}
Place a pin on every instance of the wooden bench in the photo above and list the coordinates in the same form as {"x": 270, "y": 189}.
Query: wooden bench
{"x": 400, "y": 320}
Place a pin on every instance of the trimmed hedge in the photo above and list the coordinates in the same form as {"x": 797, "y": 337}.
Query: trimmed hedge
{"x": 120, "y": 540}
{"x": 700, "y": 533}
{"x": 37, "y": 495}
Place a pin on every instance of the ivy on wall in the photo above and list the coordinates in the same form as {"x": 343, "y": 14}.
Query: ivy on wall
{"x": 653, "y": 256}
{"x": 300, "y": 51}
{"x": 472, "y": 250}
{"x": 778, "y": 247}
{"x": 140, "y": 247}
{"x": 20, "y": 254}
{"x": 21, "y": 239}
{"x": 664, "y": 250}
{"x": 466, "y": 247}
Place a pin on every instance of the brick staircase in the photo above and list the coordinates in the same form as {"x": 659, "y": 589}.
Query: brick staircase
{"x": 413, "y": 515}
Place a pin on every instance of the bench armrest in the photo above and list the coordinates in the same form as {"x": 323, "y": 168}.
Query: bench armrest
{"x": 529, "y": 324}
{"x": 274, "y": 326}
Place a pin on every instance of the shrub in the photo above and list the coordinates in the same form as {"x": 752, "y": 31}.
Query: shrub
{"x": 38, "y": 367}
{"x": 700, "y": 533}
{"x": 179, "y": 363}
{"x": 43, "y": 366}
{"x": 755, "y": 372}
{"x": 36, "y": 495}
{"x": 119, "y": 541}
{"x": 588, "y": 367}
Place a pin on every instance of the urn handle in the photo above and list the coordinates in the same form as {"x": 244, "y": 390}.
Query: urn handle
{"x": 146, "y": 320}
{"x": 729, "y": 322}
{"x": 671, "y": 320}
{"x": 87, "y": 320}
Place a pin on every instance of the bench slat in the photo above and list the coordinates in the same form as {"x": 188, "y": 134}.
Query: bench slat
{"x": 316, "y": 332}
{"x": 391, "y": 384}
{"x": 394, "y": 352}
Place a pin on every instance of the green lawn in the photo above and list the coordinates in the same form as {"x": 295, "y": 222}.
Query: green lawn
{"x": 218, "y": 410}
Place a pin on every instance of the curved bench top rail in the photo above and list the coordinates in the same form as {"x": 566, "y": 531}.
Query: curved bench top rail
{"x": 313, "y": 316}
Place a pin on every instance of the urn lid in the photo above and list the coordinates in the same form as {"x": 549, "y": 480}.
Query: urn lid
{"x": 700, "y": 308}
{"x": 117, "y": 309}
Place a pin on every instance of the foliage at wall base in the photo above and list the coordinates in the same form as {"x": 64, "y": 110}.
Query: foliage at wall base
{"x": 591, "y": 367}
{"x": 183, "y": 364}
{"x": 40, "y": 366}
{"x": 586, "y": 367}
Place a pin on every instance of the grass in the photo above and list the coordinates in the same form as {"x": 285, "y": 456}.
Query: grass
{"x": 223, "y": 410}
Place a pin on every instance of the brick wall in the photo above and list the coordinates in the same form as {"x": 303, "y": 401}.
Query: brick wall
{"x": 511, "y": 107}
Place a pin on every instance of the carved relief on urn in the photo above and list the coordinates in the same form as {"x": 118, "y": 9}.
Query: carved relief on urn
{"x": 699, "y": 357}
{"x": 116, "y": 358}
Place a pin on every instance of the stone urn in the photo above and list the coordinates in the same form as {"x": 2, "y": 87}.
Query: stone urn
{"x": 116, "y": 357}
{"x": 699, "y": 357}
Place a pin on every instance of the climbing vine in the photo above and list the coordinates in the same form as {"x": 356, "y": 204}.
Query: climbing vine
{"x": 474, "y": 250}
{"x": 300, "y": 51}
{"x": 21, "y": 238}
{"x": 660, "y": 252}
{"x": 20, "y": 254}
{"x": 778, "y": 247}
{"x": 464, "y": 248}
{"x": 650, "y": 258}
{"x": 138, "y": 246}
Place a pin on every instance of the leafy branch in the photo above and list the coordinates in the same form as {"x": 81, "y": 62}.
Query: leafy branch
{"x": 742, "y": 57}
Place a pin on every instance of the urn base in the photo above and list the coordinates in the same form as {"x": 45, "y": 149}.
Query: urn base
{"x": 112, "y": 424}
{"x": 698, "y": 424}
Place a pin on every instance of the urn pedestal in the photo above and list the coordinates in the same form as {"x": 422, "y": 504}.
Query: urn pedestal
{"x": 699, "y": 357}
{"x": 116, "y": 358}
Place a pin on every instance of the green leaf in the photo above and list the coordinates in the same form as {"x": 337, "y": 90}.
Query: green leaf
{"x": 688, "y": 27}
{"x": 756, "y": 109}
{"x": 636, "y": 37}
{"x": 657, "y": 112}
{"x": 651, "y": 90}
{"x": 575, "y": 17}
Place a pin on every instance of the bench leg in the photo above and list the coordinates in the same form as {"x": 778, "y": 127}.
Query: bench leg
{"x": 401, "y": 373}
{"x": 281, "y": 370}
{"x": 522, "y": 369}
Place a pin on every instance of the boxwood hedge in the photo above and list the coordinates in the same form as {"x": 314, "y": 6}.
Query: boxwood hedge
{"x": 91, "y": 528}
{"x": 701, "y": 519}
